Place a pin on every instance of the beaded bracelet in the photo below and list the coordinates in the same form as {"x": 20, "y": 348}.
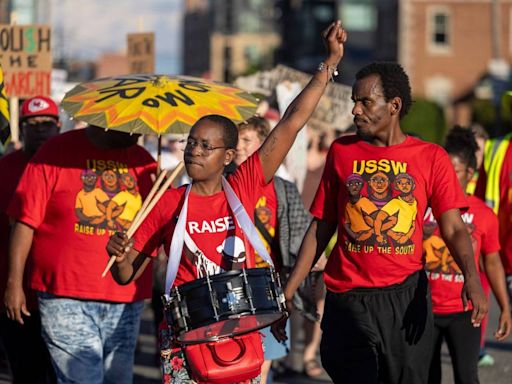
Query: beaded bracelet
{"x": 332, "y": 71}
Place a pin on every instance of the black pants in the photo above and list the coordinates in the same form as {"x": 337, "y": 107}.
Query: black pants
{"x": 463, "y": 343}
{"x": 26, "y": 351}
{"x": 382, "y": 335}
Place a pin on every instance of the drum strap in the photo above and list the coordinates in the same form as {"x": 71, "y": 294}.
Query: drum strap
{"x": 180, "y": 234}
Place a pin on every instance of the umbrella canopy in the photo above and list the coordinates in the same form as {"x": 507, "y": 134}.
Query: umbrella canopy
{"x": 158, "y": 104}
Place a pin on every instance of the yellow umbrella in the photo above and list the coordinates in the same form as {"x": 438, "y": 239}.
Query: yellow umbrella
{"x": 147, "y": 103}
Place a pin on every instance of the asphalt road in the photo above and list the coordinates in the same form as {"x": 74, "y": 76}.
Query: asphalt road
{"x": 500, "y": 373}
{"x": 146, "y": 370}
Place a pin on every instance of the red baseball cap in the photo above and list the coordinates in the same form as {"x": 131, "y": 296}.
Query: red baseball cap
{"x": 39, "y": 106}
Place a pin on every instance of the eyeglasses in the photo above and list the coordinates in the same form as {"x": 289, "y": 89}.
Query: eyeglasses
{"x": 206, "y": 149}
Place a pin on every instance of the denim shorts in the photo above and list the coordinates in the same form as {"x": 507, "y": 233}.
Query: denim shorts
{"x": 90, "y": 341}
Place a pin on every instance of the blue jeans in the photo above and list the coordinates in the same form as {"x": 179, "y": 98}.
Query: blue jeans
{"x": 90, "y": 341}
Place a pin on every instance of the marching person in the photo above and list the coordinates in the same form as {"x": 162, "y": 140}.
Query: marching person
{"x": 451, "y": 320}
{"x": 377, "y": 324}
{"x": 39, "y": 121}
{"x": 63, "y": 220}
{"x": 211, "y": 145}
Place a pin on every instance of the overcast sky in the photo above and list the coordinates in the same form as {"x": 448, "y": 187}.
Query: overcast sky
{"x": 86, "y": 29}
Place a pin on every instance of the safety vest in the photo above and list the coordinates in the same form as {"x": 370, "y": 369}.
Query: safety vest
{"x": 494, "y": 155}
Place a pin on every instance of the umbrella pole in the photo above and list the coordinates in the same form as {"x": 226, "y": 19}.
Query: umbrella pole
{"x": 159, "y": 156}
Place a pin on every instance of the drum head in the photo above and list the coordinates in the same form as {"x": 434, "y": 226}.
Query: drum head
{"x": 231, "y": 327}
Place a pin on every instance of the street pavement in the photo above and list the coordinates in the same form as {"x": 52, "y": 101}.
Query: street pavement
{"x": 146, "y": 369}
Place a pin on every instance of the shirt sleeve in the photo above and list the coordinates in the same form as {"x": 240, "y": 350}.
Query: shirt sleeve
{"x": 324, "y": 205}
{"x": 445, "y": 191}
{"x": 30, "y": 200}
{"x": 248, "y": 181}
{"x": 150, "y": 235}
{"x": 490, "y": 237}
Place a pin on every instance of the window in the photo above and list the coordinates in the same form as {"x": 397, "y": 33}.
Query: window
{"x": 439, "y": 37}
{"x": 359, "y": 15}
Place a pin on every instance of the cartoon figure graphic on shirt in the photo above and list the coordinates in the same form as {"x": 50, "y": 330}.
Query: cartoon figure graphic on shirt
{"x": 379, "y": 189}
{"x": 110, "y": 182}
{"x": 233, "y": 252}
{"x": 264, "y": 214}
{"x": 438, "y": 258}
{"x": 403, "y": 207}
{"x": 358, "y": 210}
{"x": 90, "y": 200}
{"x": 204, "y": 266}
{"x": 123, "y": 207}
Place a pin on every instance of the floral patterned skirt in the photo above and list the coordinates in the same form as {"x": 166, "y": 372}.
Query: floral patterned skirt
{"x": 172, "y": 358}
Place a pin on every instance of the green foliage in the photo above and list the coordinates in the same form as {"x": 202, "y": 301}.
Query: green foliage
{"x": 426, "y": 120}
{"x": 485, "y": 114}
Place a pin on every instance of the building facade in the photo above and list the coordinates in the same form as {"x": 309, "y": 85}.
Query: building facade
{"x": 448, "y": 46}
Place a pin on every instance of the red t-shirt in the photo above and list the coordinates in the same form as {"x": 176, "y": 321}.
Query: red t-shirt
{"x": 11, "y": 169}
{"x": 75, "y": 196}
{"x": 266, "y": 211}
{"x": 210, "y": 223}
{"x": 505, "y": 208}
{"x": 378, "y": 196}
{"x": 446, "y": 279}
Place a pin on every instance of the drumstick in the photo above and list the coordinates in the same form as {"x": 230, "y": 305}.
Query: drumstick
{"x": 136, "y": 224}
{"x": 150, "y": 196}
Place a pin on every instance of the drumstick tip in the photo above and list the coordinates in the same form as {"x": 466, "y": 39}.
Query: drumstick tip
{"x": 109, "y": 265}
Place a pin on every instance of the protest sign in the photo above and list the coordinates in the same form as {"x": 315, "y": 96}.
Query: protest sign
{"x": 26, "y": 58}
{"x": 333, "y": 110}
{"x": 141, "y": 52}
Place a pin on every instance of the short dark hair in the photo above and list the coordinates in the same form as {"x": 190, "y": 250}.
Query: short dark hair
{"x": 461, "y": 142}
{"x": 394, "y": 81}
{"x": 230, "y": 131}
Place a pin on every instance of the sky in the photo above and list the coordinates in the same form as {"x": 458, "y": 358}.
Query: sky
{"x": 86, "y": 29}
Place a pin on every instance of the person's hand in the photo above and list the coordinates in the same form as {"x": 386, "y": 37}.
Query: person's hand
{"x": 15, "y": 303}
{"x": 278, "y": 329}
{"x": 504, "y": 325}
{"x": 334, "y": 39}
{"x": 119, "y": 245}
{"x": 472, "y": 291}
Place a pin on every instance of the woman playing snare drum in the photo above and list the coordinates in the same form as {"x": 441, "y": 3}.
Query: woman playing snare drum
{"x": 210, "y": 222}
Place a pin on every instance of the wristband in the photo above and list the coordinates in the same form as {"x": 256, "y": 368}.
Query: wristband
{"x": 331, "y": 70}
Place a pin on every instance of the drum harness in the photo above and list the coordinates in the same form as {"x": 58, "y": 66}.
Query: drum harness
{"x": 181, "y": 236}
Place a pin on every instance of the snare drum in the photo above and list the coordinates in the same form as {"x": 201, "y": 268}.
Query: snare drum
{"x": 226, "y": 304}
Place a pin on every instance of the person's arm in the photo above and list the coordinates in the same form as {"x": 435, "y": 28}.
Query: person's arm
{"x": 129, "y": 263}
{"x": 281, "y": 138}
{"x": 456, "y": 237}
{"x": 19, "y": 249}
{"x": 496, "y": 276}
{"x": 316, "y": 239}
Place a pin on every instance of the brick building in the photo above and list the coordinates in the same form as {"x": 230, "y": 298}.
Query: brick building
{"x": 448, "y": 46}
